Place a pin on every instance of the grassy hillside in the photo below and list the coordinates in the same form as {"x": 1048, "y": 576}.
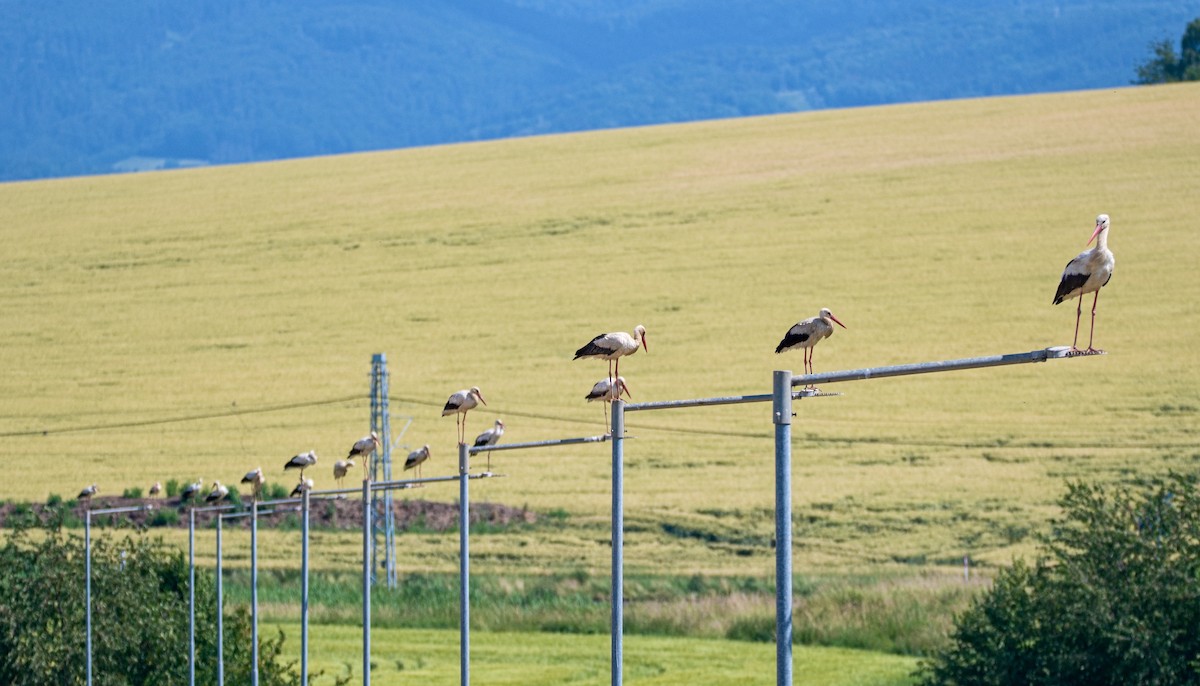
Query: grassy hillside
{"x": 934, "y": 231}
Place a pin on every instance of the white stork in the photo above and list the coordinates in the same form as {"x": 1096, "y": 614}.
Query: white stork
{"x": 87, "y": 493}
{"x": 156, "y": 489}
{"x": 490, "y": 437}
{"x": 604, "y": 392}
{"x": 340, "y": 468}
{"x": 256, "y": 479}
{"x": 191, "y": 490}
{"x": 1087, "y": 273}
{"x": 807, "y": 333}
{"x": 458, "y": 404}
{"x": 363, "y": 448}
{"x": 302, "y": 462}
{"x": 304, "y": 485}
{"x": 614, "y": 346}
{"x": 415, "y": 458}
{"x": 218, "y": 493}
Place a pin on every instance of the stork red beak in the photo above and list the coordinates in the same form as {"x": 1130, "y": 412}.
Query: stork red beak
{"x": 1099, "y": 228}
{"x": 480, "y": 396}
{"x": 836, "y": 320}
{"x": 644, "y": 346}
{"x": 625, "y": 388}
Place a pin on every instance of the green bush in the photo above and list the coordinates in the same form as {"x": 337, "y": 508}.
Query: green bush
{"x": 1115, "y": 599}
{"x": 134, "y": 492}
{"x": 172, "y": 488}
{"x": 139, "y": 615}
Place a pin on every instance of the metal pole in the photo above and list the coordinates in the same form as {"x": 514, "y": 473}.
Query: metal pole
{"x": 618, "y": 542}
{"x": 782, "y": 416}
{"x": 304, "y": 589}
{"x": 464, "y": 566}
{"x": 254, "y": 593}
{"x": 220, "y": 612}
{"x": 929, "y": 367}
{"x": 192, "y": 597}
{"x": 87, "y": 572}
{"x": 366, "y": 542}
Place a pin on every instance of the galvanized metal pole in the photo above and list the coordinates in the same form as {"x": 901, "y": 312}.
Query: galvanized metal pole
{"x": 464, "y": 566}
{"x": 618, "y": 540}
{"x": 87, "y": 572}
{"x": 782, "y": 416}
{"x": 366, "y": 603}
{"x": 254, "y": 592}
{"x": 192, "y": 597}
{"x": 304, "y": 589}
{"x": 220, "y": 612}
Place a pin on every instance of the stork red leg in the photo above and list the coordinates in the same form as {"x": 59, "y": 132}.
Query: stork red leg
{"x": 1092, "y": 335}
{"x": 1078, "y": 313}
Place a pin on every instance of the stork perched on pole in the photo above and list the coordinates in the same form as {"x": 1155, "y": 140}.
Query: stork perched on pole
{"x": 218, "y": 493}
{"x": 191, "y": 490}
{"x": 606, "y": 391}
{"x": 256, "y": 479}
{"x": 614, "y": 346}
{"x": 1088, "y": 272}
{"x": 805, "y": 334}
{"x": 362, "y": 449}
{"x": 490, "y": 437}
{"x": 88, "y": 492}
{"x": 458, "y": 404}
{"x": 339, "y": 470}
{"x": 415, "y": 458}
{"x": 302, "y": 462}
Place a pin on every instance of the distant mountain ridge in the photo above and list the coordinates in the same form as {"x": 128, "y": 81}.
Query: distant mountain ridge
{"x": 142, "y": 84}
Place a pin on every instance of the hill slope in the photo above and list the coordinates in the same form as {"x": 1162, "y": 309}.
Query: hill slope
{"x": 249, "y": 299}
{"x": 142, "y": 84}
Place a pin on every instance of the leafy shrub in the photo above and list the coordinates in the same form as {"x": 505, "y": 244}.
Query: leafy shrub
{"x": 139, "y": 615}
{"x": 134, "y": 492}
{"x": 54, "y": 500}
{"x": 172, "y": 488}
{"x": 1115, "y": 599}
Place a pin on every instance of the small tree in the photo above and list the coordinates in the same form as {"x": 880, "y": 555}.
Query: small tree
{"x": 1167, "y": 66}
{"x": 139, "y": 615}
{"x": 1114, "y": 600}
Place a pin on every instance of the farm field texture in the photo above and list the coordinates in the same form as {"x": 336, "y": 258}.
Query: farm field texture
{"x": 501, "y": 659}
{"x": 204, "y": 322}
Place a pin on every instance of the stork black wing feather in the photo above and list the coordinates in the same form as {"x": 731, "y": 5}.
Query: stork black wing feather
{"x": 1069, "y": 283}
{"x": 790, "y": 340}
{"x": 592, "y": 348}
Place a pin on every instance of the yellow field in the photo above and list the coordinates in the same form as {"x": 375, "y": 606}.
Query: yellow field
{"x": 934, "y": 231}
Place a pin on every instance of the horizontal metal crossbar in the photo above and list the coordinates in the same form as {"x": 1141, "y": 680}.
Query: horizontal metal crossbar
{"x": 725, "y": 400}
{"x": 475, "y": 450}
{"x": 1056, "y": 353}
{"x": 119, "y": 510}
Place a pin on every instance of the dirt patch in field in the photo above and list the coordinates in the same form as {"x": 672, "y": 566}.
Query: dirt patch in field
{"x": 337, "y": 513}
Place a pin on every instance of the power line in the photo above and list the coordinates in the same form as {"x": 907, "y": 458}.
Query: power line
{"x": 178, "y": 420}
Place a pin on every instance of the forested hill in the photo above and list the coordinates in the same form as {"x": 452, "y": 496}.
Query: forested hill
{"x": 94, "y": 87}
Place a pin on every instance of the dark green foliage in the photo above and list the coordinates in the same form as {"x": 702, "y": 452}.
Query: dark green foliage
{"x": 275, "y": 492}
{"x": 1169, "y": 67}
{"x": 139, "y": 615}
{"x": 172, "y": 488}
{"x": 1116, "y": 599}
{"x": 134, "y": 492}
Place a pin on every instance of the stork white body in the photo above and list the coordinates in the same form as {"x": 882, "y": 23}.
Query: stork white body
{"x": 256, "y": 479}
{"x": 340, "y": 468}
{"x": 218, "y": 493}
{"x": 416, "y": 458}
{"x": 458, "y": 404}
{"x": 156, "y": 489}
{"x": 362, "y": 449}
{"x": 191, "y": 490}
{"x": 304, "y": 485}
{"x": 614, "y": 346}
{"x": 1088, "y": 272}
{"x": 606, "y": 391}
{"x": 302, "y": 462}
{"x": 805, "y": 334}
{"x": 88, "y": 492}
{"x": 491, "y": 436}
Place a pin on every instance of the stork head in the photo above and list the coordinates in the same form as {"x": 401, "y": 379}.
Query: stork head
{"x": 639, "y": 334}
{"x": 475, "y": 392}
{"x": 1101, "y": 225}
{"x": 499, "y": 424}
{"x": 622, "y": 387}
{"x": 826, "y": 314}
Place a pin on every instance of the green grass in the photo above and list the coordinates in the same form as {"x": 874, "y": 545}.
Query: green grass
{"x": 934, "y": 231}
{"x": 431, "y": 656}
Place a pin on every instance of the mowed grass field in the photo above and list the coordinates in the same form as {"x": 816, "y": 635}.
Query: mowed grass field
{"x": 245, "y": 302}
{"x": 403, "y": 656}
